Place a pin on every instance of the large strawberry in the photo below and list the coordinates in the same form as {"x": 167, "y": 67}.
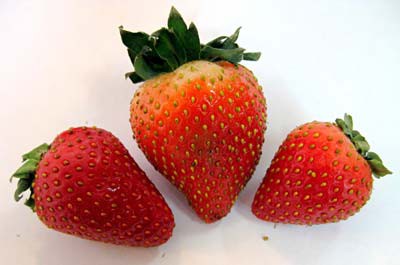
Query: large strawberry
{"x": 199, "y": 117}
{"x": 86, "y": 184}
{"x": 320, "y": 174}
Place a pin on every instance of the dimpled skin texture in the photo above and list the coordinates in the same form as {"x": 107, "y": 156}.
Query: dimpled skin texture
{"x": 202, "y": 126}
{"x": 89, "y": 186}
{"x": 317, "y": 176}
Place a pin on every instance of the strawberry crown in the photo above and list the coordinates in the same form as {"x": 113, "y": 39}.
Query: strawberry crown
{"x": 362, "y": 146}
{"x": 26, "y": 174}
{"x": 168, "y": 48}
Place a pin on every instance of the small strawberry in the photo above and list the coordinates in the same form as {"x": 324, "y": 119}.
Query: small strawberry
{"x": 199, "y": 117}
{"x": 320, "y": 174}
{"x": 86, "y": 184}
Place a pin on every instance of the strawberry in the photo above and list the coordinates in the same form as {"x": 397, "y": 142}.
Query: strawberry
{"x": 320, "y": 174}
{"x": 199, "y": 116}
{"x": 86, "y": 184}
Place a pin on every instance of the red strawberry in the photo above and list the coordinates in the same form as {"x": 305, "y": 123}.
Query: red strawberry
{"x": 320, "y": 174}
{"x": 202, "y": 124}
{"x": 86, "y": 184}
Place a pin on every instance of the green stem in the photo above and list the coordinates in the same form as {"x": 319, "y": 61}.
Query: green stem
{"x": 26, "y": 174}
{"x": 362, "y": 146}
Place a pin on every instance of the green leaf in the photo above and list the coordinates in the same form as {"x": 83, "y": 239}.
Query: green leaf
{"x": 251, "y": 56}
{"x": 165, "y": 49}
{"x": 134, "y": 40}
{"x": 177, "y": 24}
{"x": 27, "y": 168}
{"x": 373, "y": 156}
{"x": 342, "y": 125}
{"x": 362, "y": 146}
{"x": 132, "y": 55}
{"x": 135, "y": 78}
{"x": 23, "y": 185}
{"x": 377, "y": 167}
{"x": 230, "y": 43}
{"x": 26, "y": 173}
{"x": 36, "y": 153}
{"x": 213, "y": 54}
{"x": 348, "y": 120}
{"x": 143, "y": 67}
{"x": 30, "y": 203}
{"x": 360, "y": 142}
{"x": 169, "y": 48}
{"x": 217, "y": 42}
{"x": 188, "y": 38}
{"x": 192, "y": 43}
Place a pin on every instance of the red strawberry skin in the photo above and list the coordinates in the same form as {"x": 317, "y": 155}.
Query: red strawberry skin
{"x": 317, "y": 176}
{"x": 89, "y": 186}
{"x": 202, "y": 126}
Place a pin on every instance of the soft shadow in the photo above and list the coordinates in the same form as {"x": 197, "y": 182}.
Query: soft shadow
{"x": 40, "y": 245}
{"x": 64, "y": 249}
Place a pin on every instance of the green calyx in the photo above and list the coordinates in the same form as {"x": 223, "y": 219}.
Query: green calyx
{"x": 362, "y": 146}
{"x": 168, "y": 48}
{"x": 26, "y": 174}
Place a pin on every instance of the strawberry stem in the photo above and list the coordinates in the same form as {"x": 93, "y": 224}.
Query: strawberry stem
{"x": 26, "y": 174}
{"x": 362, "y": 146}
{"x": 168, "y": 48}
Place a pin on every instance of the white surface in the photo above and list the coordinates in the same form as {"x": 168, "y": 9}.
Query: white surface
{"x": 62, "y": 64}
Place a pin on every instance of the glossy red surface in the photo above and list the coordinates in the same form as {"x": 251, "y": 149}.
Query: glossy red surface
{"x": 316, "y": 177}
{"x": 202, "y": 127}
{"x": 88, "y": 185}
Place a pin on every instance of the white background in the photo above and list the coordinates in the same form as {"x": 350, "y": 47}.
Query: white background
{"x": 62, "y": 64}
